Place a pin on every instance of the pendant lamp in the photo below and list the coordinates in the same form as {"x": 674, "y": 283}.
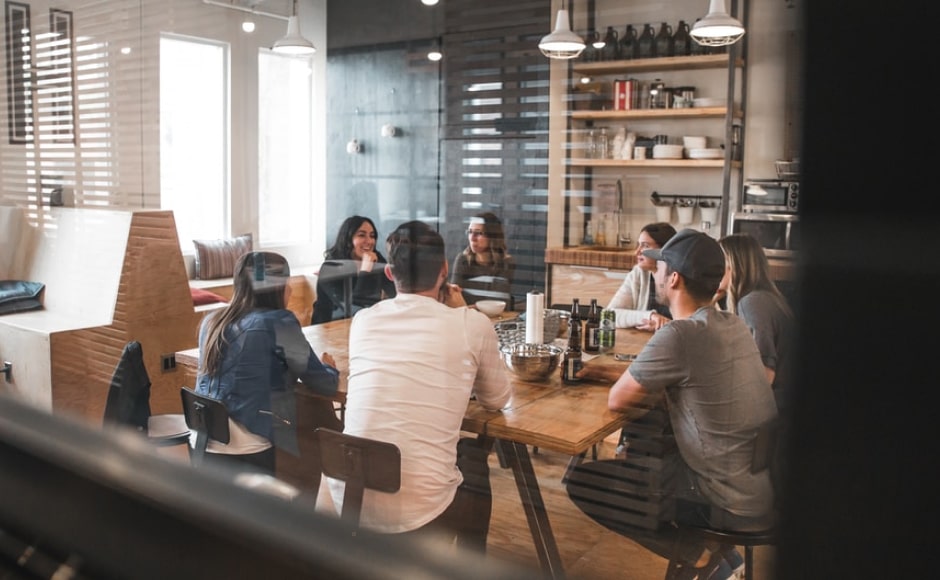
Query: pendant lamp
{"x": 294, "y": 43}
{"x": 717, "y": 28}
{"x": 561, "y": 43}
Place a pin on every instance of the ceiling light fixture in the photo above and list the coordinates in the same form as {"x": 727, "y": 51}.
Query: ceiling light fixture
{"x": 248, "y": 25}
{"x": 717, "y": 28}
{"x": 561, "y": 43}
{"x": 429, "y": 2}
{"x": 294, "y": 43}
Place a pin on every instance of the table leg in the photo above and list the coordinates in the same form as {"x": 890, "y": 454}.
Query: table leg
{"x": 517, "y": 456}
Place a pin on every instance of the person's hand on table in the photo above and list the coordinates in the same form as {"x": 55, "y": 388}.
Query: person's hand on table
{"x": 601, "y": 373}
{"x": 654, "y": 322}
{"x": 452, "y": 295}
{"x": 327, "y": 359}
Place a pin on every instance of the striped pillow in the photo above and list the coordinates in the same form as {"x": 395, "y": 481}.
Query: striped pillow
{"x": 216, "y": 258}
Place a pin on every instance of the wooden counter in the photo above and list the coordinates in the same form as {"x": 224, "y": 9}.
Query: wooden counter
{"x": 597, "y": 256}
{"x": 585, "y": 272}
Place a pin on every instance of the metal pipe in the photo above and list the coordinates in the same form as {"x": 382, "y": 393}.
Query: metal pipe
{"x": 245, "y": 9}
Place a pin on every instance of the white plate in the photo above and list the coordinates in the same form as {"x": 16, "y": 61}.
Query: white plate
{"x": 708, "y": 102}
{"x": 667, "y": 151}
{"x": 706, "y": 153}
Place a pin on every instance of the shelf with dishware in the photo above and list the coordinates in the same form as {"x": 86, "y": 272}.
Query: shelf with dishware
{"x": 630, "y": 132}
{"x": 641, "y": 114}
{"x": 673, "y": 163}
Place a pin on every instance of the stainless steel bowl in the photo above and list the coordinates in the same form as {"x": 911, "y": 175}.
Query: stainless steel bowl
{"x": 531, "y": 362}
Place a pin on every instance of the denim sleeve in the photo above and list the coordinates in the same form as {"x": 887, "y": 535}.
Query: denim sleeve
{"x": 302, "y": 363}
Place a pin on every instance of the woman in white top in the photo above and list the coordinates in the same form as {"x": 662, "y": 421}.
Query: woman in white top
{"x": 635, "y": 301}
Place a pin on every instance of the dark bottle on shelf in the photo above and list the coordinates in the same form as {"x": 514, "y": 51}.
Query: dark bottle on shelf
{"x": 628, "y": 43}
{"x": 681, "y": 40}
{"x": 591, "y": 328}
{"x": 663, "y": 44}
{"x": 696, "y": 49}
{"x": 646, "y": 42}
{"x": 572, "y": 360}
{"x": 611, "y": 50}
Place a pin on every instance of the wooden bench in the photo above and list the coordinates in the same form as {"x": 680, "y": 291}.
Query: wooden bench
{"x": 111, "y": 276}
{"x": 303, "y": 282}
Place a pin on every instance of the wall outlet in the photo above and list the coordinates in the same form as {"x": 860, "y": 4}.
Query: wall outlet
{"x": 167, "y": 362}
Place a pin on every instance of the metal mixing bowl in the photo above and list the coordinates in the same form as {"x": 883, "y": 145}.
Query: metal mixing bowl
{"x": 531, "y": 362}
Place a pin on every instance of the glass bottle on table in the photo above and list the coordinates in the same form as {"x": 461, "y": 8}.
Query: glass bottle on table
{"x": 572, "y": 362}
{"x": 591, "y": 328}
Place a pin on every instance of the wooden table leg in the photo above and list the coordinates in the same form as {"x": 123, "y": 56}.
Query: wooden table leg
{"x": 517, "y": 456}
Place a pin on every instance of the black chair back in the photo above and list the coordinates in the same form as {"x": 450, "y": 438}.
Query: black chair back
{"x": 208, "y": 418}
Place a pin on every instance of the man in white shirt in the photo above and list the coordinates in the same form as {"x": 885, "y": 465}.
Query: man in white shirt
{"x": 414, "y": 362}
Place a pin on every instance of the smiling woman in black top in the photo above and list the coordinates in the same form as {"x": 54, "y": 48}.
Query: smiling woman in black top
{"x": 352, "y": 257}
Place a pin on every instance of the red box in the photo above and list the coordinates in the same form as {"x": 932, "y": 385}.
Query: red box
{"x": 625, "y": 94}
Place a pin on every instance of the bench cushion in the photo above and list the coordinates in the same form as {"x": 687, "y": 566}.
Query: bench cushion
{"x": 202, "y": 297}
{"x": 216, "y": 258}
{"x": 19, "y": 296}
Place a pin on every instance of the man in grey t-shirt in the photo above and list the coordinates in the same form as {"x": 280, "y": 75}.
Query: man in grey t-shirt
{"x": 705, "y": 369}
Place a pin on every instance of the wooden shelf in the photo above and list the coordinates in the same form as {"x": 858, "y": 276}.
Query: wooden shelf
{"x": 610, "y": 67}
{"x": 685, "y": 163}
{"x": 690, "y": 113}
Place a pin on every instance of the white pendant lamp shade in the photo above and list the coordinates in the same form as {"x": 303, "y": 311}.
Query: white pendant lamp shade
{"x": 561, "y": 43}
{"x": 293, "y": 43}
{"x": 717, "y": 28}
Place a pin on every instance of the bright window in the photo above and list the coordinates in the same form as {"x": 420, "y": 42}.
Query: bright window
{"x": 194, "y": 136}
{"x": 285, "y": 150}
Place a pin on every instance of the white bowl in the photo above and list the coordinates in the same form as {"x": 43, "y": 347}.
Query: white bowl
{"x": 491, "y": 307}
{"x": 667, "y": 151}
{"x": 694, "y": 142}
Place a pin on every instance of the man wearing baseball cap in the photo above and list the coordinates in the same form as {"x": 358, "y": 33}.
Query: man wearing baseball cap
{"x": 705, "y": 369}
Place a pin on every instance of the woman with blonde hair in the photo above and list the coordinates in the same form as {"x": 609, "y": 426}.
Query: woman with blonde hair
{"x": 484, "y": 269}
{"x": 751, "y": 294}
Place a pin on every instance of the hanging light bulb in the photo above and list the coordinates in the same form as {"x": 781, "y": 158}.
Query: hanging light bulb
{"x": 248, "y": 25}
{"x": 561, "y": 42}
{"x": 717, "y": 28}
{"x": 294, "y": 43}
{"x": 429, "y": 2}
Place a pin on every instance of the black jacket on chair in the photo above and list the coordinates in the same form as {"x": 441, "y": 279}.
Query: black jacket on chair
{"x": 129, "y": 395}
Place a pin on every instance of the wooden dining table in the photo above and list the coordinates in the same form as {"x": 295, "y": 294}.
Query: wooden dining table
{"x": 545, "y": 414}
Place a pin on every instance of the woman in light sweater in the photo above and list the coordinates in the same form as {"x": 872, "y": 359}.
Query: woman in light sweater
{"x": 635, "y": 301}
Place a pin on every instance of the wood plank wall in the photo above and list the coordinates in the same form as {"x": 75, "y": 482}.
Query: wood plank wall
{"x": 153, "y": 306}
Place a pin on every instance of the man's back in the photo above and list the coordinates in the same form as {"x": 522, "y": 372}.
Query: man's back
{"x": 718, "y": 396}
{"x": 413, "y": 364}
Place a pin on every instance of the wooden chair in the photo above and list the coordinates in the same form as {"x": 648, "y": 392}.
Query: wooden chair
{"x": 361, "y": 463}
{"x": 208, "y": 418}
{"x": 128, "y": 401}
{"x": 763, "y": 457}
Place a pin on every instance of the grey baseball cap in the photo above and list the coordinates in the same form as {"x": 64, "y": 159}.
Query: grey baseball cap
{"x": 693, "y": 254}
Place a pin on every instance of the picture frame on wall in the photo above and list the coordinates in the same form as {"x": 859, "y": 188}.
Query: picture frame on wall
{"x": 60, "y": 75}
{"x": 19, "y": 76}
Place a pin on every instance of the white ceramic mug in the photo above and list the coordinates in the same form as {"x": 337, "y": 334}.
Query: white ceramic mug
{"x": 639, "y": 152}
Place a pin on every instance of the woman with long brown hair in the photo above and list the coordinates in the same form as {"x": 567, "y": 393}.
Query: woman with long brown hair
{"x": 484, "y": 269}
{"x": 751, "y": 294}
{"x": 251, "y": 354}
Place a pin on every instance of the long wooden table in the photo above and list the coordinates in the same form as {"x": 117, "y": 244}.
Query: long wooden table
{"x": 546, "y": 414}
